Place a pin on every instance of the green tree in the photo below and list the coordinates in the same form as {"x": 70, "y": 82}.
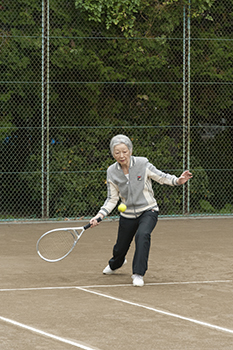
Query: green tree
{"x": 115, "y": 67}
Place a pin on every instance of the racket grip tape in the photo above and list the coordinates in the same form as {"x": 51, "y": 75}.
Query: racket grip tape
{"x": 89, "y": 225}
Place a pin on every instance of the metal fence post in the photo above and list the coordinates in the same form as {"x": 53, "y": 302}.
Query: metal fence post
{"x": 45, "y": 108}
{"x": 186, "y": 104}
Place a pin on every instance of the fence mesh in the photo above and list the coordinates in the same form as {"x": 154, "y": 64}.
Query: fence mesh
{"x": 69, "y": 84}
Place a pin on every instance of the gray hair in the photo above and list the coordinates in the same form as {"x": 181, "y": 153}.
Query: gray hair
{"x": 118, "y": 139}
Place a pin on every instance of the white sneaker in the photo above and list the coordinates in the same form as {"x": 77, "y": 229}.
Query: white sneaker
{"x": 109, "y": 271}
{"x": 138, "y": 280}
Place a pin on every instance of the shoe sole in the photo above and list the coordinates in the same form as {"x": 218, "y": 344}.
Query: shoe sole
{"x": 138, "y": 285}
{"x": 108, "y": 273}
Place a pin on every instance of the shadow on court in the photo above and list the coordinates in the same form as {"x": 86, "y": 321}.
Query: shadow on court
{"x": 186, "y": 302}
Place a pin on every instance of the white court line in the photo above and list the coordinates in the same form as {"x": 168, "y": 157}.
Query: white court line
{"x": 156, "y": 284}
{"x": 35, "y": 288}
{"x": 223, "y": 329}
{"x": 113, "y": 285}
{"x": 45, "y": 334}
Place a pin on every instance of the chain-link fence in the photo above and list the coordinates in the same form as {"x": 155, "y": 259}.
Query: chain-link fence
{"x": 68, "y": 84}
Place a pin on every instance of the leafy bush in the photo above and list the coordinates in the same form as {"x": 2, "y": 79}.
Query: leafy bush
{"x": 77, "y": 180}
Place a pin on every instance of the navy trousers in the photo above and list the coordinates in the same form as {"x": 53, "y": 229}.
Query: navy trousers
{"x": 141, "y": 229}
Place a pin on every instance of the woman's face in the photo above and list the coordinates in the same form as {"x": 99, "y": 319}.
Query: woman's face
{"x": 122, "y": 154}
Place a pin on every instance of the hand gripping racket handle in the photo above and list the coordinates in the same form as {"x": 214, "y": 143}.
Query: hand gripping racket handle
{"x": 89, "y": 225}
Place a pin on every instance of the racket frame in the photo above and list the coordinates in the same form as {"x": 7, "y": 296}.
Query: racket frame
{"x": 73, "y": 231}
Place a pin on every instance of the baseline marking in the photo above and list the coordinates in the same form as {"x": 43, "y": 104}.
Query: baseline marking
{"x": 209, "y": 325}
{"x": 34, "y": 288}
{"x": 48, "y": 335}
{"x": 156, "y": 284}
{"x": 113, "y": 285}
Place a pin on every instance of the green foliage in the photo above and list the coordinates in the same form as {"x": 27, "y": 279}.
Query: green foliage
{"x": 118, "y": 13}
{"x": 227, "y": 209}
{"x": 115, "y": 67}
{"x": 128, "y": 13}
{"x": 200, "y": 8}
{"x": 6, "y": 127}
{"x": 207, "y": 207}
{"x": 77, "y": 183}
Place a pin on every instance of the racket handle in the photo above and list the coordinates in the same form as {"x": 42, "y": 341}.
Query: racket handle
{"x": 89, "y": 225}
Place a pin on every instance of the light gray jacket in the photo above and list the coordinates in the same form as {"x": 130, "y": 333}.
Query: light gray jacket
{"x": 136, "y": 192}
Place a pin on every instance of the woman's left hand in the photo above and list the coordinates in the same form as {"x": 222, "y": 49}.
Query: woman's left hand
{"x": 184, "y": 177}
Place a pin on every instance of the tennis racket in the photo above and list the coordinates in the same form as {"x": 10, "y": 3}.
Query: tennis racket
{"x": 55, "y": 245}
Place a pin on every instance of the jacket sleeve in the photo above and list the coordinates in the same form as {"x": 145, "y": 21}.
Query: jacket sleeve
{"x": 112, "y": 198}
{"x": 160, "y": 177}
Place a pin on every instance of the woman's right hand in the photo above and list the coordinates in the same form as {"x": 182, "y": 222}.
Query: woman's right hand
{"x": 94, "y": 221}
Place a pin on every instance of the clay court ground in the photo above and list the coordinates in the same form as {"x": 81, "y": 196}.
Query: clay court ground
{"x": 186, "y": 302}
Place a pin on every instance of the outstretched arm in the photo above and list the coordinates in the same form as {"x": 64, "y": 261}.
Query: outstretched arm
{"x": 184, "y": 177}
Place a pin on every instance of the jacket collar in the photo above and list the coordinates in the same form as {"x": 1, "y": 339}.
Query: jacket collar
{"x": 132, "y": 163}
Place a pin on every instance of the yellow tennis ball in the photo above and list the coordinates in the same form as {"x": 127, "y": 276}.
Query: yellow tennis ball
{"x": 122, "y": 207}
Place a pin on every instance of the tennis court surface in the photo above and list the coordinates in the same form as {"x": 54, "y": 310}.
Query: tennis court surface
{"x": 186, "y": 302}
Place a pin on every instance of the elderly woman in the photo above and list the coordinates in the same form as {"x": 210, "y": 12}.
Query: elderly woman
{"x": 130, "y": 179}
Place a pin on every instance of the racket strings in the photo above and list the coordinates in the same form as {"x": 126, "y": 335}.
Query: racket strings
{"x": 57, "y": 244}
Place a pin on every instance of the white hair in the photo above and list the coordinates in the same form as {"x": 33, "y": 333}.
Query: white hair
{"x": 118, "y": 139}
